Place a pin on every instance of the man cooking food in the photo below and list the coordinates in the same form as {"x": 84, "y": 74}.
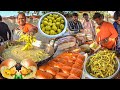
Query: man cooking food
{"x": 106, "y": 33}
{"x": 23, "y": 27}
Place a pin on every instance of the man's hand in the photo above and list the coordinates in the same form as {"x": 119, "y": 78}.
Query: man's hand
{"x": 104, "y": 41}
{"x": 82, "y": 30}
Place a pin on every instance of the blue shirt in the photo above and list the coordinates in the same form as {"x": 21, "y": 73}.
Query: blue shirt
{"x": 117, "y": 27}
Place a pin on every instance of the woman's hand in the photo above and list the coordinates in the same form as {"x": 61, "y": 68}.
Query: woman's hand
{"x": 33, "y": 30}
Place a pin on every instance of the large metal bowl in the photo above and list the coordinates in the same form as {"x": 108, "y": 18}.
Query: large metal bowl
{"x": 91, "y": 77}
{"x": 49, "y": 49}
{"x": 52, "y": 36}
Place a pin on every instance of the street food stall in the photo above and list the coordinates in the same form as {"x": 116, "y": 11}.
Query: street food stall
{"x": 64, "y": 57}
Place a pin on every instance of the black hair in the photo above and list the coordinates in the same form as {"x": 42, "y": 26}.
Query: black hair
{"x": 85, "y": 14}
{"x": 21, "y": 13}
{"x": 116, "y": 15}
{"x": 97, "y": 15}
{"x": 75, "y": 14}
{"x": 102, "y": 16}
{"x": 0, "y": 18}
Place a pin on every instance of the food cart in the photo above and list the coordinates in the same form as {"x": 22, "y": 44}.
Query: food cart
{"x": 65, "y": 57}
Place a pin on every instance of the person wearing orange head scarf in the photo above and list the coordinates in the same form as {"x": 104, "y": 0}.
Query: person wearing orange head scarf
{"x": 106, "y": 33}
{"x": 23, "y": 28}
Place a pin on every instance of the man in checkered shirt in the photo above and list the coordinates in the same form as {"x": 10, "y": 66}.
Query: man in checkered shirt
{"x": 74, "y": 25}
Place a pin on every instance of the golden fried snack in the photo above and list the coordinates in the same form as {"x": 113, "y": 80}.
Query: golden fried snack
{"x": 102, "y": 64}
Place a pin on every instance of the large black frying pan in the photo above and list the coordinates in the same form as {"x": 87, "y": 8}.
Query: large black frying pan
{"x": 49, "y": 48}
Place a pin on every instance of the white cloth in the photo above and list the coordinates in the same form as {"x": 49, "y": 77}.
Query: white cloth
{"x": 89, "y": 29}
{"x": 16, "y": 34}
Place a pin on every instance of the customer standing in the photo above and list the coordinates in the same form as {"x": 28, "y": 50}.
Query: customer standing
{"x": 88, "y": 26}
{"x": 5, "y": 32}
{"x": 117, "y": 27}
{"x": 74, "y": 25}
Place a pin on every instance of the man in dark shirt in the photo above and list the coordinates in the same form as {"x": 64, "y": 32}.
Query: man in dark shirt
{"x": 4, "y": 31}
{"x": 75, "y": 26}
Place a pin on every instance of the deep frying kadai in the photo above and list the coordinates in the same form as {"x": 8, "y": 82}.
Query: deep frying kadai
{"x": 48, "y": 48}
{"x": 44, "y": 46}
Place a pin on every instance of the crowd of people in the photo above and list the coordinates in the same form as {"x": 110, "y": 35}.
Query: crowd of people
{"x": 106, "y": 33}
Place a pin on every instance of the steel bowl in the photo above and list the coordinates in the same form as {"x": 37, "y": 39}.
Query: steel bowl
{"x": 52, "y": 36}
{"x": 92, "y": 77}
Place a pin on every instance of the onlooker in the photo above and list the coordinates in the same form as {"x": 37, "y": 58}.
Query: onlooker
{"x": 74, "y": 25}
{"x": 88, "y": 26}
{"x": 5, "y": 32}
{"x": 117, "y": 27}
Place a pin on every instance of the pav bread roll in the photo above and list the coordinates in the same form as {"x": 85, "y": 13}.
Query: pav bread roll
{"x": 29, "y": 69}
{"x": 66, "y": 42}
{"x": 8, "y": 69}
